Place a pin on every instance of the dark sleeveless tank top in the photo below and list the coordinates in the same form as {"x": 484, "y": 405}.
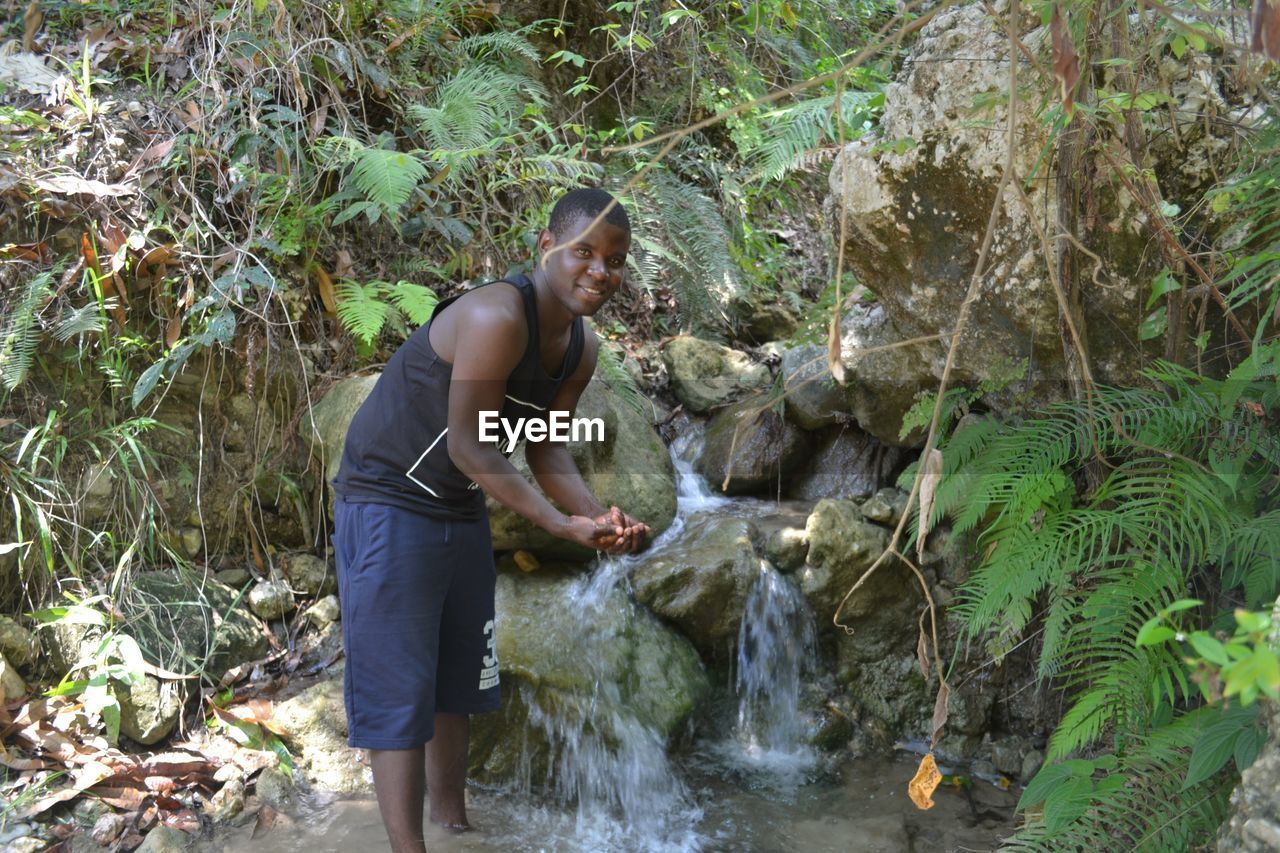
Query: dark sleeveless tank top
{"x": 396, "y": 451}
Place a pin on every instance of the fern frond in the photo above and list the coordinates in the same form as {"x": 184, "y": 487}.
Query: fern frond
{"x": 501, "y": 42}
{"x": 361, "y": 308}
{"x": 414, "y": 301}
{"x": 21, "y": 331}
{"x": 387, "y": 178}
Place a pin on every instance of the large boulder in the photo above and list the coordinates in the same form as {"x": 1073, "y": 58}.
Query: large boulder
{"x": 750, "y": 449}
{"x": 631, "y": 468}
{"x": 813, "y": 399}
{"x": 848, "y": 463}
{"x": 580, "y": 669}
{"x": 700, "y": 583}
{"x": 189, "y": 623}
{"x": 705, "y": 374}
{"x": 917, "y": 201}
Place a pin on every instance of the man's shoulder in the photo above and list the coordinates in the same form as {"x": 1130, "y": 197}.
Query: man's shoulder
{"x": 492, "y": 303}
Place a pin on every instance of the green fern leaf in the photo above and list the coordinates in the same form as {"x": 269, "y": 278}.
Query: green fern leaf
{"x": 361, "y": 309}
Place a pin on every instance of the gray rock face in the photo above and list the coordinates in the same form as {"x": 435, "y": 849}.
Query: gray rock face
{"x": 886, "y": 506}
{"x": 630, "y": 468}
{"x": 164, "y": 839}
{"x": 608, "y": 666}
{"x": 149, "y": 709}
{"x": 181, "y": 619}
{"x": 848, "y": 463}
{"x": 700, "y": 583}
{"x": 315, "y": 722}
{"x": 915, "y": 218}
{"x": 705, "y": 374}
{"x": 752, "y": 447}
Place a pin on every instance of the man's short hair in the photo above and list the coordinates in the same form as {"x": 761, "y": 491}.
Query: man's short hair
{"x": 588, "y": 202}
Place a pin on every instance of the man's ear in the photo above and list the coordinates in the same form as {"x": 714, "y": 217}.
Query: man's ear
{"x": 546, "y": 240}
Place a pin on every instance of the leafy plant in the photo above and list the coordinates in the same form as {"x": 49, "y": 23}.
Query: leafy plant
{"x": 365, "y": 308}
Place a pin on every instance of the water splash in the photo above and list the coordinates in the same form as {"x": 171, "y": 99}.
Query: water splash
{"x": 776, "y": 649}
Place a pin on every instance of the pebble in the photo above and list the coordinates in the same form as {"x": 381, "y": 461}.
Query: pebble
{"x": 107, "y": 828}
{"x": 271, "y": 599}
{"x": 326, "y": 611}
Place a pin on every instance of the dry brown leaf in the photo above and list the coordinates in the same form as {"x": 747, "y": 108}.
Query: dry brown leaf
{"x": 940, "y": 712}
{"x": 342, "y": 264}
{"x": 1266, "y": 28}
{"x": 36, "y": 253}
{"x": 154, "y": 153}
{"x": 32, "y": 20}
{"x": 325, "y": 285}
{"x": 922, "y": 654}
{"x": 1066, "y": 62}
{"x": 929, "y": 480}
{"x": 526, "y": 561}
{"x": 192, "y": 116}
{"x": 924, "y": 783}
{"x": 266, "y": 820}
{"x": 76, "y": 185}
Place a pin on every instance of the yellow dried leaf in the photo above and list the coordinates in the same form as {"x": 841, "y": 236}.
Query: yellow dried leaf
{"x": 325, "y": 284}
{"x": 834, "y": 363}
{"x": 924, "y": 783}
{"x": 526, "y": 561}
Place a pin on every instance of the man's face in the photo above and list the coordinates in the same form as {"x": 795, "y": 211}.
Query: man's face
{"x": 584, "y": 267}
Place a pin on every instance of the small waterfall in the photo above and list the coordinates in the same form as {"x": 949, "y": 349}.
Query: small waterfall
{"x": 776, "y": 648}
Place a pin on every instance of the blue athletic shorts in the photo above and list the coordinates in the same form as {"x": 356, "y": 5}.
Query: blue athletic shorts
{"x": 417, "y": 622}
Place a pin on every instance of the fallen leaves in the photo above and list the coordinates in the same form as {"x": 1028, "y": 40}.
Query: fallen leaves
{"x": 921, "y": 787}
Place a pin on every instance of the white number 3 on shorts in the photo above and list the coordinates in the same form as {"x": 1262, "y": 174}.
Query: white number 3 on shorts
{"x": 489, "y": 670}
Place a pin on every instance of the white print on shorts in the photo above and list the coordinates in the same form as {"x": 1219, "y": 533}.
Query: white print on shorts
{"x": 489, "y": 672}
{"x": 558, "y": 426}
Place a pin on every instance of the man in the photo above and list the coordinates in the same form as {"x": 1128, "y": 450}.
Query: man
{"x": 415, "y": 562}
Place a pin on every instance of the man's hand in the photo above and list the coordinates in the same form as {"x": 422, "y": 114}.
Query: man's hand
{"x": 614, "y": 532}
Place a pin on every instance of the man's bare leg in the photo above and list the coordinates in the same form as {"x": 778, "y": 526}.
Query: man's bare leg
{"x": 398, "y": 780}
{"x": 446, "y": 765}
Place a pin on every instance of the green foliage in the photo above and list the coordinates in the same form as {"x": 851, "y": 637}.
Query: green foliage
{"x": 609, "y": 365}
{"x": 365, "y": 308}
{"x": 21, "y": 332}
{"x": 114, "y": 658}
{"x": 1186, "y": 489}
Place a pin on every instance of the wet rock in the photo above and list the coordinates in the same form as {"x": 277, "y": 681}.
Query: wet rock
{"x": 325, "y": 611}
{"x": 630, "y": 468}
{"x": 228, "y": 802}
{"x": 885, "y": 833}
{"x": 700, "y": 583}
{"x": 164, "y": 839}
{"x": 752, "y": 448}
{"x": 26, "y": 844}
{"x": 107, "y": 828}
{"x": 969, "y": 709}
{"x": 847, "y": 463}
{"x": 315, "y": 723}
{"x": 149, "y": 710}
{"x": 275, "y": 788}
{"x": 787, "y": 548}
{"x": 624, "y": 670}
{"x": 886, "y": 506}
{"x": 705, "y": 374}
{"x": 842, "y": 545}
{"x": 833, "y": 729}
{"x": 184, "y": 620}
{"x": 16, "y": 642}
{"x": 1007, "y": 754}
{"x": 11, "y": 684}
{"x": 271, "y": 599}
{"x": 310, "y": 575}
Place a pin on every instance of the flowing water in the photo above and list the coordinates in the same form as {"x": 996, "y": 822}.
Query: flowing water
{"x": 754, "y": 784}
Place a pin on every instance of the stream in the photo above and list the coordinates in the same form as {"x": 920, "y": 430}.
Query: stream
{"x": 745, "y": 779}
